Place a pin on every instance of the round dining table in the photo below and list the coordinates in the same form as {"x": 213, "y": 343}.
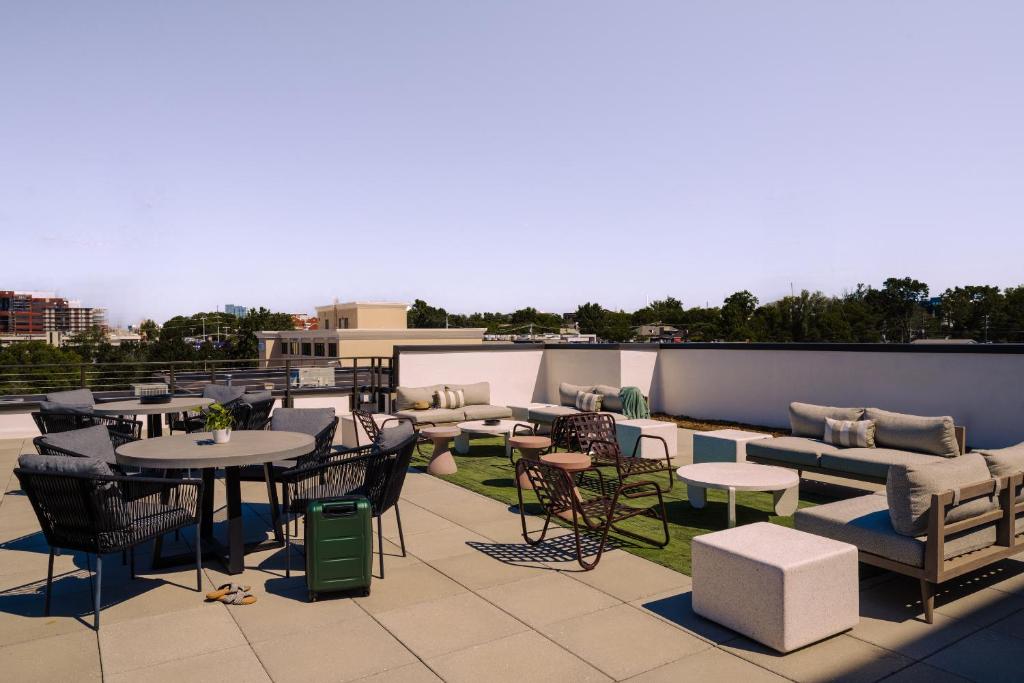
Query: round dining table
{"x": 198, "y": 451}
{"x": 152, "y": 411}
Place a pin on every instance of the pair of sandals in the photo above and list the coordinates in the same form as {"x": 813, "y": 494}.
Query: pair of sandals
{"x": 232, "y": 594}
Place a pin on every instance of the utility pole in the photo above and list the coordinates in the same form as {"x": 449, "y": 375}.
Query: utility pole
{"x": 986, "y": 328}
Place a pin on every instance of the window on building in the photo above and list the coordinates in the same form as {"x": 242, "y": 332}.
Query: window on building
{"x": 344, "y": 323}
{"x": 284, "y": 349}
{"x": 307, "y": 349}
{"x": 318, "y": 349}
{"x": 332, "y": 350}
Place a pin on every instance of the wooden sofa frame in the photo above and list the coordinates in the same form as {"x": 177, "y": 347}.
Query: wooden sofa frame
{"x": 961, "y": 440}
{"x": 936, "y": 568}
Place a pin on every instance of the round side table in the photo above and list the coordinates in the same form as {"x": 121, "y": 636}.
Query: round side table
{"x": 441, "y": 461}
{"x": 570, "y": 462}
{"x": 530, "y": 447}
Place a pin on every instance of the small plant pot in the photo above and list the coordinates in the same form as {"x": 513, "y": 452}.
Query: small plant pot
{"x": 221, "y": 435}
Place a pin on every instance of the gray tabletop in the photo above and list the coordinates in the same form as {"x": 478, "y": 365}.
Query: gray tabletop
{"x": 135, "y": 407}
{"x": 183, "y": 451}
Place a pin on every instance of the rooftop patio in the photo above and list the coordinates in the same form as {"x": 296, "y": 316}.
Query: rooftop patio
{"x": 471, "y": 601}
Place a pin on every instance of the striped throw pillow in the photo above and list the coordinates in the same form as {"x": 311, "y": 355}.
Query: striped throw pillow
{"x": 850, "y": 433}
{"x": 588, "y": 403}
{"x": 449, "y": 398}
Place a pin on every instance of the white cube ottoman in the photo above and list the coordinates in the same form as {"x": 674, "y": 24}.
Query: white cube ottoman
{"x": 723, "y": 445}
{"x": 629, "y": 431}
{"x": 781, "y": 587}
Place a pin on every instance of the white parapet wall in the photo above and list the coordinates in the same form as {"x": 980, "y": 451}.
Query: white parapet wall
{"x": 513, "y": 371}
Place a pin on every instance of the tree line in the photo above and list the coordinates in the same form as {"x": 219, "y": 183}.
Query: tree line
{"x": 901, "y": 310}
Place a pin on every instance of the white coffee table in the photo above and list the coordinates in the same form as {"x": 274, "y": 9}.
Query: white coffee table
{"x": 731, "y": 477}
{"x": 478, "y": 428}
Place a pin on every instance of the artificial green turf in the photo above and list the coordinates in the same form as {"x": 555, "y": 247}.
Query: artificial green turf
{"x": 486, "y": 470}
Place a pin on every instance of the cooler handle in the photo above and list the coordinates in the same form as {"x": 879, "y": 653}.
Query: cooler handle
{"x": 342, "y": 509}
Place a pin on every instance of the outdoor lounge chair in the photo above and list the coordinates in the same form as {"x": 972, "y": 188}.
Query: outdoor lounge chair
{"x": 375, "y": 471}
{"x": 98, "y": 441}
{"x": 559, "y": 497}
{"x": 373, "y": 430}
{"x": 594, "y": 434}
{"x": 81, "y": 506}
{"x": 51, "y": 419}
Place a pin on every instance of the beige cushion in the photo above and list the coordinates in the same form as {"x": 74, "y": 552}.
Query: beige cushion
{"x": 794, "y": 450}
{"x": 478, "y": 394}
{"x": 864, "y": 522}
{"x": 872, "y": 462}
{"x": 910, "y": 487}
{"x": 611, "y": 400}
{"x": 588, "y": 403}
{"x": 807, "y": 419}
{"x": 1002, "y": 462}
{"x": 436, "y": 415}
{"x": 407, "y": 397}
{"x": 449, "y": 398}
{"x": 935, "y": 435}
{"x": 849, "y": 433}
{"x": 567, "y": 393}
{"x": 477, "y": 412}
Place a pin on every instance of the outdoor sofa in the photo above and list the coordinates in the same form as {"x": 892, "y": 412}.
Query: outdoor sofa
{"x": 611, "y": 404}
{"x": 410, "y": 402}
{"x": 899, "y": 438}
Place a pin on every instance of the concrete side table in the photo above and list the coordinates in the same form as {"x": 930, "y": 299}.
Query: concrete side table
{"x": 779, "y": 586}
{"x": 723, "y": 445}
{"x": 441, "y": 461}
{"x": 530, "y": 447}
{"x": 628, "y": 433}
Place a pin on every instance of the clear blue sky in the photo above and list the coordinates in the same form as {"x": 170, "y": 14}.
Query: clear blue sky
{"x": 167, "y": 157}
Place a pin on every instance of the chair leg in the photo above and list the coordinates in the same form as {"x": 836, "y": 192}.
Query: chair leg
{"x": 401, "y": 536}
{"x": 199, "y": 560}
{"x": 131, "y": 561}
{"x": 928, "y": 600}
{"x": 97, "y": 589}
{"x": 49, "y": 584}
{"x": 287, "y": 545}
{"x": 380, "y": 545}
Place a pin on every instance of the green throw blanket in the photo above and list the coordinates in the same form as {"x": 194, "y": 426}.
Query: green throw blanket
{"x": 634, "y": 406}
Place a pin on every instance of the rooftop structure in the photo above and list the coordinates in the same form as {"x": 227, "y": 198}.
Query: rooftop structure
{"x": 36, "y": 313}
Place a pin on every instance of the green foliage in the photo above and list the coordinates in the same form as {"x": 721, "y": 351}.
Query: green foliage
{"x": 218, "y": 417}
{"x": 42, "y": 368}
{"x": 245, "y": 344}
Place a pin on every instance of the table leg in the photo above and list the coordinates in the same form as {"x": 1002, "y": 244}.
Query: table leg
{"x": 206, "y": 523}
{"x": 154, "y": 426}
{"x": 786, "y": 501}
{"x": 508, "y": 447}
{"x": 528, "y": 454}
{"x": 236, "y": 532}
{"x": 441, "y": 461}
{"x": 462, "y": 444}
{"x": 275, "y": 508}
{"x": 698, "y": 496}
{"x": 732, "y": 507}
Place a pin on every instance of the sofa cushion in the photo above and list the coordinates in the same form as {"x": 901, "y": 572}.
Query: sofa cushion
{"x": 310, "y": 421}
{"x": 91, "y": 442}
{"x": 794, "y": 450}
{"x": 405, "y": 397}
{"x": 222, "y": 393}
{"x": 807, "y": 419}
{"x": 478, "y": 394}
{"x": 864, "y": 522}
{"x": 549, "y": 413}
{"x": 935, "y": 435}
{"x": 849, "y": 433}
{"x": 74, "y": 397}
{"x": 435, "y": 415}
{"x": 1003, "y": 462}
{"x": 610, "y": 401}
{"x": 477, "y": 412}
{"x": 567, "y": 393}
{"x": 871, "y": 462}
{"x": 910, "y": 486}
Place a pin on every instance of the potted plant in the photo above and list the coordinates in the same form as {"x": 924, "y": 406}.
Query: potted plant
{"x": 219, "y": 421}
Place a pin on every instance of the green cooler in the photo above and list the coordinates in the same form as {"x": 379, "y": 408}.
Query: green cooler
{"x": 339, "y": 545}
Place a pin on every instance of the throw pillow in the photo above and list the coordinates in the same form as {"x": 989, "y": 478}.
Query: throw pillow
{"x": 807, "y": 419}
{"x": 587, "y": 402}
{"x": 850, "y": 433}
{"x": 909, "y": 490}
{"x": 1002, "y": 462}
{"x": 448, "y": 398}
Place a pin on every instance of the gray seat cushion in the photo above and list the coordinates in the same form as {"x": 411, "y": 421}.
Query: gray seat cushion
{"x": 74, "y": 397}
{"x": 65, "y": 408}
{"x": 935, "y": 435}
{"x": 549, "y": 413}
{"x": 435, "y": 415}
{"x": 254, "y": 397}
{"x": 62, "y": 465}
{"x": 91, "y": 442}
{"x": 477, "y": 412}
{"x": 610, "y": 401}
{"x": 392, "y": 437}
{"x": 567, "y": 393}
{"x": 870, "y": 462}
{"x": 305, "y": 420}
{"x": 910, "y": 488}
{"x": 794, "y": 450}
{"x": 405, "y": 397}
{"x": 864, "y": 522}
{"x": 222, "y": 394}
{"x": 807, "y": 419}
{"x": 478, "y": 394}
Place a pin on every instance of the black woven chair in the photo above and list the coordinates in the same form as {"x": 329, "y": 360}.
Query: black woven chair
{"x": 88, "y": 442}
{"x": 259, "y": 412}
{"x": 66, "y": 419}
{"x": 192, "y": 421}
{"x": 372, "y": 429}
{"x": 96, "y": 513}
{"x": 371, "y": 471}
{"x": 594, "y": 434}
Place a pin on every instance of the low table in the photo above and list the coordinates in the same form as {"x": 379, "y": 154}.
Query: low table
{"x": 479, "y": 428}
{"x": 441, "y": 461}
{"x": 530, "y": 447}
{"x": 724, "y": 445}
{"x": 152, "y": 411}
{"x": 784, "y": 484}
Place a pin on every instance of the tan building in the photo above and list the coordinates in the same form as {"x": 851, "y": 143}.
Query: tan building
{"x": 357, "y": 330}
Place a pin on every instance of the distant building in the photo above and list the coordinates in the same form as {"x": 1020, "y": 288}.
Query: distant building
{"x": 37, "y": 313}
{"x": 656, "y": 332}
{"x": 237, "y": 311}
{"x": 304, "y": 321}
{"x": 362, "y": 329}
